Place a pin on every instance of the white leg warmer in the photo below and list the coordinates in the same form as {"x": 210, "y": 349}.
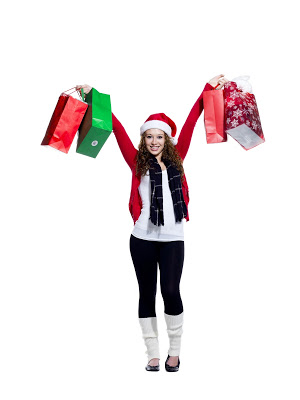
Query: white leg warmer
{"x": 150, "y": 335}
{"x": 174, "y": 329}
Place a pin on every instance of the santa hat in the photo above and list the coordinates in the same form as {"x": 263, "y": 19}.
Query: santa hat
{"x": 161, "y": 121}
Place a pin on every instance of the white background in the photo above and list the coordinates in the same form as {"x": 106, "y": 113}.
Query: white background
{"x": 69, "y": 294}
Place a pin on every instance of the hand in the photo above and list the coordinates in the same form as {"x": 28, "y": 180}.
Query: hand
{"x": 86, "y": 88}
{"x": 220, "y": 80}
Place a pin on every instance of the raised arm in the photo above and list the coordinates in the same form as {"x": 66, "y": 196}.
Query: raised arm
{"x": 127, "y": 149}
{"x": 125, "y": 144}
{"x": 187, "y": 130}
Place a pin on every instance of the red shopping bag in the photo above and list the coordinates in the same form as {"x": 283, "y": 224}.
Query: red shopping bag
{"x": 213, "y": 104}
{"x": 242, "y": 120}
{"x": 65, "y": 121}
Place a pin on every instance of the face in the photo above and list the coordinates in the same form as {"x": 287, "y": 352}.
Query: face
{"x": 155, "y": 141}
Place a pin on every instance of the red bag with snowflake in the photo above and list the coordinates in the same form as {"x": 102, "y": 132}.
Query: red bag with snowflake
{"x": 241, "y": 115}
{"x": 213, "y": 105}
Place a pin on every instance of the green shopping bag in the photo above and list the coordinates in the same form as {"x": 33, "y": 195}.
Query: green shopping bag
{"x": 96, "y": 125}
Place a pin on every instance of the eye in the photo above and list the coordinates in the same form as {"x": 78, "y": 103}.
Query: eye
{"x": 148, "y": 137}
{"x": 159, "y": 137}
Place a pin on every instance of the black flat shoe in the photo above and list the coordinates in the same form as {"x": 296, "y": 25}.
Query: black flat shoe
{"x": 171, "y": 369}
{"x": 152, "y": 368}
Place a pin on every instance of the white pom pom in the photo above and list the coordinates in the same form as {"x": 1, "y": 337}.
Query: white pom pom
{"x": 174, "y": 140}
{"x": 243, "y": 83}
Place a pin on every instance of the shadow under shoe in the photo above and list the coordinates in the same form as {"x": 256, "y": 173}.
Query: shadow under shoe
{"x": 171, "y": 369}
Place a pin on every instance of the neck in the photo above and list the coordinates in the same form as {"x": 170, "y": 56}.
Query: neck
{"x": 159, "y": 157}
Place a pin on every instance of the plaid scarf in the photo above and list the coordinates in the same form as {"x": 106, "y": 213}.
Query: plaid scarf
{"x": 156, "y": 206}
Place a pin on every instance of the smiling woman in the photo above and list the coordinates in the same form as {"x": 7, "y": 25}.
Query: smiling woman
{"x": 156, "y": 142}
{"x": 159, "y": 205}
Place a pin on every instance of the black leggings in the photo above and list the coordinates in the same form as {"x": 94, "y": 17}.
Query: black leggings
{"x": 145, "y": 255}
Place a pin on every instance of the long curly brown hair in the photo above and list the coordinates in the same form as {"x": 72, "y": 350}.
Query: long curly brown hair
{"x": 169, "y": 152}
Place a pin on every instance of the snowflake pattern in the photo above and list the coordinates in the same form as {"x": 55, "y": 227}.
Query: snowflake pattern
{"x": 234, "y": 123}
{"x": 237, "y": 113}
{"x": 242, "y": 95}
{"x": 241, "y": 108}
{"x": 234, "y": 95}
{"x": 230, "y": 103}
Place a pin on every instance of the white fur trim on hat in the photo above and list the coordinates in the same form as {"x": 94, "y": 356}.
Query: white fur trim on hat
{"x": 158, "y": 125}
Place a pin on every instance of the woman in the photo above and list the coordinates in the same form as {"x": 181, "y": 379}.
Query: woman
{"x": 158, "y": 205}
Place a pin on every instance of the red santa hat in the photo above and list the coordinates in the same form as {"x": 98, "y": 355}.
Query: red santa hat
{"x": 163, "y": 122}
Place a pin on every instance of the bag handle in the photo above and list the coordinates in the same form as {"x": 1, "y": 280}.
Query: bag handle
{"x": 80, "y": 93}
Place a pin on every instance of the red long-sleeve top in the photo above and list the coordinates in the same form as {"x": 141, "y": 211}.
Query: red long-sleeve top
{"x": 129, "y": 152}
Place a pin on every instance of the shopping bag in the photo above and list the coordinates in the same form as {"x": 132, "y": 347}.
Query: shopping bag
{"x": 242, "y": 121}
{"x": 213, "y": 104}
{"x": 96, "y": 125}
{"x": 65, "y": 121}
